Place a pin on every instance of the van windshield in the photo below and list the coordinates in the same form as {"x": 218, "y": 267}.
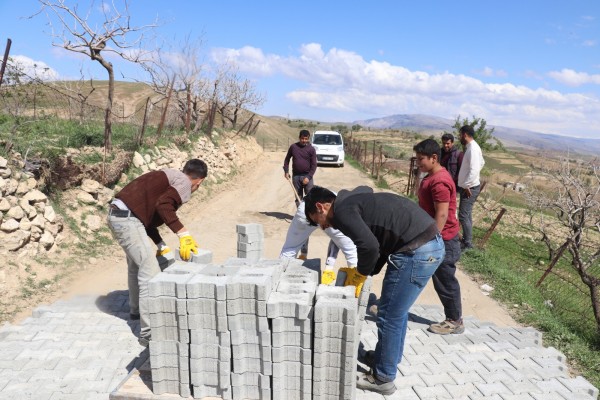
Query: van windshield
{"x": 328, "y": 139}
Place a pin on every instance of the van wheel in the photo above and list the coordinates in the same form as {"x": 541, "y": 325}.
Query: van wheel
{"x": 341, "y": 165}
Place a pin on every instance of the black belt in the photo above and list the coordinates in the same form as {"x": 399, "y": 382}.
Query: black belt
{"x": 116, "y": 212}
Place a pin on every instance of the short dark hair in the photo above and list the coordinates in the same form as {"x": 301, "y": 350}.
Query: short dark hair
{"x": 316, "y": 195}
{"x": 195, "y": 168}
{"x": 304, "y": 133}
{"x": 428, "y": 147}
{"x": 447, "y": 136}
{"x": 468, "y": 130}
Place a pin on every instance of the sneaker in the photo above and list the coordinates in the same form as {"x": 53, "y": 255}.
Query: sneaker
{"x": 134, "y": 317}
{"x": 371, "y": 383}
{"x": 302, "y": 256}
{"x": 144, "y": 341}
{"x": 447, "y": 327}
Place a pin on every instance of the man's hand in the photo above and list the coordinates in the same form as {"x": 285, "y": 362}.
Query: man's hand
{"x": 356, "y": 279}
{"x": 305, "y": 181}
{"x": 287, "y": 175}
{"x": 328, "y": 277}
{"x": 467, "y": 192}
{"x": 187, "y": 246}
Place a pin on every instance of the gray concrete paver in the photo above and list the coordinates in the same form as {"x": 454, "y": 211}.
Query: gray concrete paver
{"x": 84, "y": 347}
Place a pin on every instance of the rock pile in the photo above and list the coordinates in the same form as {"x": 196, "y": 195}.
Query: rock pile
{"x": 28, "y": 221}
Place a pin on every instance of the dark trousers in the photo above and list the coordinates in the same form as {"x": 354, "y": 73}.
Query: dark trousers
{"x": 465, "y": 211}
{"x": 301, "y": 189}
{"x": 445, "y": 283}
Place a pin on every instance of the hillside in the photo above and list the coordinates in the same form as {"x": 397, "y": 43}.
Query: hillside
{"x": 511, "y": 137}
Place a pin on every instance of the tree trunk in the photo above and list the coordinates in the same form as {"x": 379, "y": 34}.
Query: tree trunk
{"x": 109, "y": 103}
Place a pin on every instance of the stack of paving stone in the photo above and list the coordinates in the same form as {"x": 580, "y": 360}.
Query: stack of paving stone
{"x": 250, "y": 241}
{"x": 290, "y": 309}
{"x": 245, "y": 330}
{"x": 338, "y": 319}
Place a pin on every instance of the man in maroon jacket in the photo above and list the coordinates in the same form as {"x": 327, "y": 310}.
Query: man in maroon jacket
{"x": 304, "y": 164}
{"x": 135, "y": 214}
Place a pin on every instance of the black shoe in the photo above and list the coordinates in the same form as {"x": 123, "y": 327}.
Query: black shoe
{"x": 370, "y": 382}
{"x": 134, "y": 317}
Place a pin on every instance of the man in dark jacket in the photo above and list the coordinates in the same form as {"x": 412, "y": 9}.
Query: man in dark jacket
{"x": 385, "y": 228}
{"x": 135, "y": 214}
{"x": 451, "y": 157}
{"x": 304, "y": 164}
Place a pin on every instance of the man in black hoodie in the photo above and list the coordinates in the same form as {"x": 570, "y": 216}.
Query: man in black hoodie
{"x": 388, "y": 228}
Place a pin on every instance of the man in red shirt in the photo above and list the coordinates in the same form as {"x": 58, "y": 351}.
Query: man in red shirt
{"x": 437, "y": 196}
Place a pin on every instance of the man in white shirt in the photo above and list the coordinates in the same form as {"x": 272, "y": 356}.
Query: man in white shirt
{"x": 298, "y": 234}
{"x": 468, "y": 183}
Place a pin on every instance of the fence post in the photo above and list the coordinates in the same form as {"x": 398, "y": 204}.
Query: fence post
{"x": 364, "y": 163}
{"x": 380, "y": 161}
{"x": 558, "y": 255}
{"x": 141, "y": 136}
{"x": 373, "y": 161}
{"x": 5, "y": 59}
{"x": 492, "y": 228}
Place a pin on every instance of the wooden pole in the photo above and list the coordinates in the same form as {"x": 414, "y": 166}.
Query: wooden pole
{"x": 141, "y": 136}
{"x": 5, "y": 59}
{"x": 161, "y": 124}
{"x": 558, "y": 255}
{"x": 373, "y": 161}
{"x": 492, "y": 228}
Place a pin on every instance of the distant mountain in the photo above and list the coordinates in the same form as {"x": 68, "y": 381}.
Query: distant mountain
{"x": 511, "y": 137}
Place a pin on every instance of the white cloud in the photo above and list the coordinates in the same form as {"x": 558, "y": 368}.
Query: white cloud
{"x": 490, "y": 72}
{"x": 589, "y": 43}
{"x": 573, "y": 78}
{"x": 34, "y": 69}
{"x": 344, "y": 83}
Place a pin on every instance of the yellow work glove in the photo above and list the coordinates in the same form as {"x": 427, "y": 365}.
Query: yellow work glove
{"x": 328, "y": 277}
{"x": 356, "y": 279}
{"x": 162, "y": 252}
{"x": 187, "y": 246}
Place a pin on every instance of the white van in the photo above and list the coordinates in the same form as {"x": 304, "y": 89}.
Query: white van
{"x": 329, "y": 146}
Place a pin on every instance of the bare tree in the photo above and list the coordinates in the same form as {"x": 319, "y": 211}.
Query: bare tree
{"x": 178, "y": 67}
{"x": 77, "y": 32}
{"x": 574, "y": 199}
{"x": 239, "y": 94}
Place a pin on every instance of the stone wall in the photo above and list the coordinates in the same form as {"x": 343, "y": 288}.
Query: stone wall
{"x": 29, "y": 224}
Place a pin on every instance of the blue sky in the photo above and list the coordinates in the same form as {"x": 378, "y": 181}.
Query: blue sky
{"x": 524, "y": 64}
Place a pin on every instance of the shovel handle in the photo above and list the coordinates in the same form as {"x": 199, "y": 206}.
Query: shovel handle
{"x": 294, "y": 190}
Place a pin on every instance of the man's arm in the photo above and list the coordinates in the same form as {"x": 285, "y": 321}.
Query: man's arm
{"x": 345, "y": 244}
{"x": 351, "y": 224}
{"x": 313, "y": 162}
{"x": 286, "y": 162}
{"x": 441, "y": 214}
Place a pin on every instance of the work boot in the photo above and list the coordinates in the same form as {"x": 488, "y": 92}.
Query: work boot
{"x": 302, "y": 256}
{"x": 370, "y": 382}
{"x": 447, "y": 327}
{"x": 134, "y": 317}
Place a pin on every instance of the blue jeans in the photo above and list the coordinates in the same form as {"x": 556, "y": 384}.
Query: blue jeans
{"x": 142, "y": 265}
{"x": 465, "y": 211}
{"x": 406, "y": 276}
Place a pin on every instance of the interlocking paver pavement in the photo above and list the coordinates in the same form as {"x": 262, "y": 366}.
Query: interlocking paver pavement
{"x": 84, "y": 347}
{"x": 80, "y": 348}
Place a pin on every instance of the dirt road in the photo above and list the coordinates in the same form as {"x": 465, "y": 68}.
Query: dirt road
{"x": 260, "y": 194}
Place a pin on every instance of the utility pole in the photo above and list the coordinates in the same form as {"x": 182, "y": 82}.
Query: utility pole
{"x": 5, "y": 59}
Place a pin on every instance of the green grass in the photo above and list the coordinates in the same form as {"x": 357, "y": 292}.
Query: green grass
{"x": 508, "y": 264}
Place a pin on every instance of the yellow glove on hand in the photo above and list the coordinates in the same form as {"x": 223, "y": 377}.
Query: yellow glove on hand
{"x": 162, "y": 252}
{"x": 356, "y": 279}
{"x": 187, "y": 246}
{"x": 328, "y": 277}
